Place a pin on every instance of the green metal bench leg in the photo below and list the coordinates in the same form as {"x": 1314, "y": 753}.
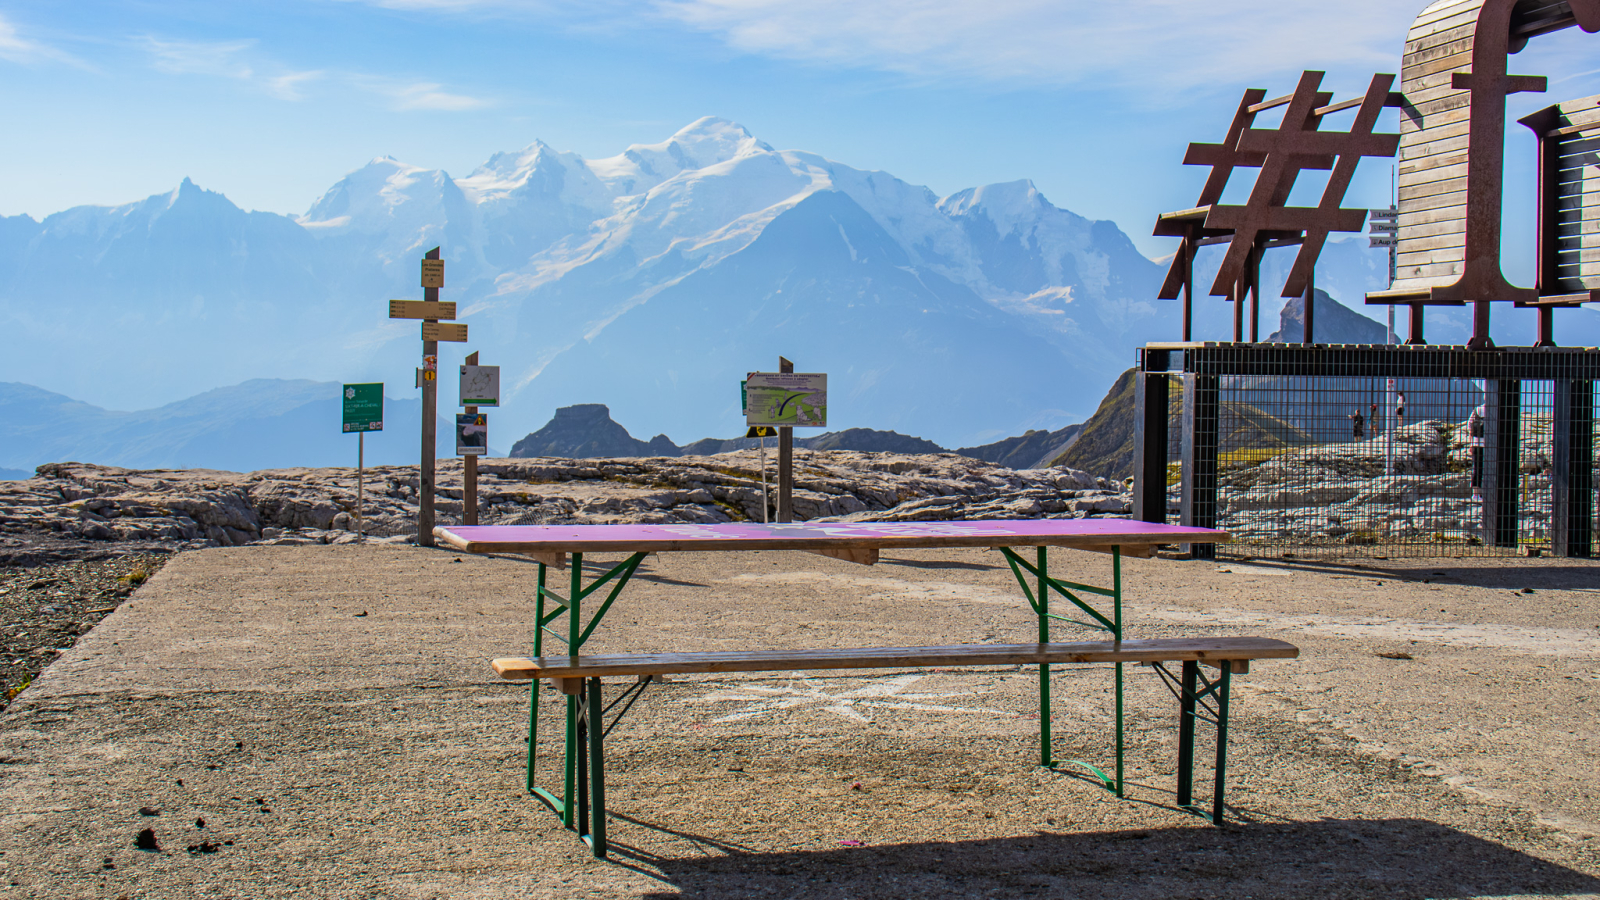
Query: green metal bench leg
{"x": 1186, "y": 704}
{"x": 597, "y": 771}
{"x": 1222, "y": 746}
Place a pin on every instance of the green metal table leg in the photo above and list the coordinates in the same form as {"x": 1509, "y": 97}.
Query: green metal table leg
{"x": 1040, "y": 601}
{"x": 597, "y": 772}
{"x": 533, "y": 689}
{"x": 1046, "y": 750}
{"x": 577, "y": 782}
{"x": 1116, "y": 618}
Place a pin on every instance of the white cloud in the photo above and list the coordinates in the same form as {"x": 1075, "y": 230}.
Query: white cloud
{"x": 287, "y": 87}
{"x": 218, "y": 59}
{"x": 226, "y": 59}
{"x": 18, "y": 49}
{"x": 429, "y": 97}
{"x": 1172, "y": 44}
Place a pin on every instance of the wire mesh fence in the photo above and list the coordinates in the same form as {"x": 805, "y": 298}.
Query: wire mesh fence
{"x": 1339, "y": 452}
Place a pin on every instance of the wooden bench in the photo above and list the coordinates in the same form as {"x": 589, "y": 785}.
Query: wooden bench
{"x": 1199, "y": 697}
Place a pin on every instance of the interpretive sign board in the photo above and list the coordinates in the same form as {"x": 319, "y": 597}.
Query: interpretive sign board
{"x": 363, "y": 407}
{"x": 480, "y": 385}
{"x": 794, "y": 400}
{"x": 472, "y": 434}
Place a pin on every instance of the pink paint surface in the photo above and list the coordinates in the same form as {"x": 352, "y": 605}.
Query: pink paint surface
{"x": 1001, "y": 532}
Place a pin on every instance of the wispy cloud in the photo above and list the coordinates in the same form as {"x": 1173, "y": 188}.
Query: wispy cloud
{"x": 240, "y": 61}
{"x": 431, "y": 97}
{"x": 18, "y": 49}
{"x": 227, "y": 59}
{"x": 1132, "y": 43}
{"x": 217, "y": 58}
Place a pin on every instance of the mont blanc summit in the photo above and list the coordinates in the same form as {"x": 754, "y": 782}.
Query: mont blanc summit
{"x": 650, "y": 281}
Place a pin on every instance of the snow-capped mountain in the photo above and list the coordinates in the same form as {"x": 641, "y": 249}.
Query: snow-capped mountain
{"x": 651, "y": 281}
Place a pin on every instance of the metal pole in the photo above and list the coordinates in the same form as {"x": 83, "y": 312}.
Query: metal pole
{"x": 430, "y": 415}
{"x": 361, "y": 468}
{"x": 1046, "y": 757}
{"x": 469, "y": 471}
{"x": 766, "y": 502}
{"x": 785, "y": 459}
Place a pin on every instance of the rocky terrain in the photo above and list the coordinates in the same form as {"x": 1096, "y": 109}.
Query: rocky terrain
{"x": 76, "y": 511}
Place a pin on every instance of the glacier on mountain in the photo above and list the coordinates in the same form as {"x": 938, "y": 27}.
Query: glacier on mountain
{"x": 651, "y": 281}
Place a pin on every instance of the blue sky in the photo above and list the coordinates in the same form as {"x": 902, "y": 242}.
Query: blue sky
{"x": 112, "y": 100}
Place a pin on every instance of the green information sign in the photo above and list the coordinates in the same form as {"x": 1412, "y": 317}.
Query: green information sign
{"x": 363, "y": 407}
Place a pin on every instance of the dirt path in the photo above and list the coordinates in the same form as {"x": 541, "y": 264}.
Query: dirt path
{"x": 330, "y": 712}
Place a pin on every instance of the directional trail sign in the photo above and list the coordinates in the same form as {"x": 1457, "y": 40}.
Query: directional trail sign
{"x": 421, "y": 309}
{"x": 363, "y": 407}
{"x": 444, "y": 331}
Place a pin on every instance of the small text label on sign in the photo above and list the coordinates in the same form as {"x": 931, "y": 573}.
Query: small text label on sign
{"x": 433, "y": 273}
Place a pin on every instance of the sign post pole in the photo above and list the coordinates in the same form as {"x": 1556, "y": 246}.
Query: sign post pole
{"x": 432, "y": 280}
{"x": 785, "y": 460}
{"x": 469, "y": 470}
{"x": 363, "y": 412}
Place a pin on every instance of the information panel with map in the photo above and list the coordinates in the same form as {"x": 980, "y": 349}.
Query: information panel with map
{"x": 796, "y": 400}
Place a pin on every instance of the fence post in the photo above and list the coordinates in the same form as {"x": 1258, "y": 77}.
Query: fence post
{"x": 1571, "y": 470}
{"x": 1502, "y": 454}
{"x": 1151, "y": 399}
{"x": 1199, "y": 507}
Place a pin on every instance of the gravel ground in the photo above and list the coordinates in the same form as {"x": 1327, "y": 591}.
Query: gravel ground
{"x": 330, "y": 712}
{"x": 44, "y": 609}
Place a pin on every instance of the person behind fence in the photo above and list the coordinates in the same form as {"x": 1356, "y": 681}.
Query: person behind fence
{"x": 1374, "y": 420}
{"x": 1400, "y": 410}
{"x": 1475, "y": 423}
{"x": 1358, "y": 424}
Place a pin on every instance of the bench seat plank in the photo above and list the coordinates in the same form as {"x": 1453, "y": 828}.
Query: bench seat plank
{"x": 1164, "y": 650}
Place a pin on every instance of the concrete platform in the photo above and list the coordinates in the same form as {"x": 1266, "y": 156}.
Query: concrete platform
{"x": 330, "y": 715}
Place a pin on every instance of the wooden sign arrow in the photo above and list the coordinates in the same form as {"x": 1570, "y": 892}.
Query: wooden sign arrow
{"x": 444, "y": 331}
{"x": 421, "y": 309}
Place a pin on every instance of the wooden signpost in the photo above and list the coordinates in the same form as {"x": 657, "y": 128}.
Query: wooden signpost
{"x": 785, "y": 399}
{"x": 430, "y": 311}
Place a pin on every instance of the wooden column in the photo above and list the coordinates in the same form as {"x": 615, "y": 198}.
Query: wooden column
{"x": 1151, "y": 403}
{"x": 1501, "y": 455}
{"x": 1415, "y": 335}
{"x": 430, "y": 428}
{"x": 1311, "y": 309}
{"x": 469, "y": 470}
{"x": 1187, "y": 249}
{"x": 785, "y": 459}
{"x": 1199, "y": 467}
{"x": 1572, "y": 471}
{"x": 1253, "y": 269}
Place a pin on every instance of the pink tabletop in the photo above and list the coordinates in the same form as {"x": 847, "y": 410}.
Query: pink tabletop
{"x": 828, "y": 535}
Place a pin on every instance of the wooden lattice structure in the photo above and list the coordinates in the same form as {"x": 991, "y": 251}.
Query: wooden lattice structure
{"x": 1280, "y": 154}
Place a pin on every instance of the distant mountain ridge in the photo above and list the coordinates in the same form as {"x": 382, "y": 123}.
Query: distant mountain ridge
{"x": 260, "y": 424}
{"x": 652, "y": 280}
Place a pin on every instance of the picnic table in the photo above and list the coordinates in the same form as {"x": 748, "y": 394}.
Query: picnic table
{"x": 554, "y": 545}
